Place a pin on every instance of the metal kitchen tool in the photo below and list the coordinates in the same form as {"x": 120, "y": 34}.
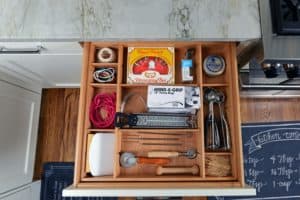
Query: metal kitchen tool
{"x": 161, "y": 144}
{"x": 129, "y": 160}
{"x": 187, "y": 135}
{"x": 152, "y": 141}
{"x": 194, "y": 170}
{"x": 148, "y": 138}
{"x": 212, "y": 137}
{"x": 190, "y": 154}
{"x": 224, "y": 128}
{"x": 155, "y": 120}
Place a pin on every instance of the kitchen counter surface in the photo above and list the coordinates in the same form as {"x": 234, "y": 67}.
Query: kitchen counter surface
{"x": 79, "y": 20}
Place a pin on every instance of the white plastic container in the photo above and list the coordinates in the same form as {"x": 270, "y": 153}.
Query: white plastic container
{"x": 101, "y": 154}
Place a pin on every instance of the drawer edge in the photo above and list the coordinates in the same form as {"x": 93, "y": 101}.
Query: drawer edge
{"x": 72, "y": 191}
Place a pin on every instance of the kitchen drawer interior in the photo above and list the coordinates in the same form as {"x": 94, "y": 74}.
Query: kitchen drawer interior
{"x": 198, "y": 162}
{"x": 137, "y": 142}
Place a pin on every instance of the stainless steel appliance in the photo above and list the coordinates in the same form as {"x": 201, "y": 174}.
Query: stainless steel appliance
{"x": 280, "y": 25}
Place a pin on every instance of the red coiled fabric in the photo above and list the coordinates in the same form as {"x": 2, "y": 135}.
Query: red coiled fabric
{"x": 103, "y": 103}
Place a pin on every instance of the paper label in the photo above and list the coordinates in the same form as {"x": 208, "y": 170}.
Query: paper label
{"x": 165, "y": 97}
{"x": 171, "y": 97}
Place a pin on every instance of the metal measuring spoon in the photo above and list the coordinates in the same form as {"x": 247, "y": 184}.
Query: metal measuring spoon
{"x": 212, "y": 136}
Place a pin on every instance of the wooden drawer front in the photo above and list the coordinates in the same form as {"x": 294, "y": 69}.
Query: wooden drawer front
{"x": 211, "y": 164}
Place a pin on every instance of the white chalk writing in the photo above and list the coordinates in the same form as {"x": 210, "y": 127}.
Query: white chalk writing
{"x": 283, "y": 171}
{"x": 273, "y": 135}
{"x": 285, "y": 184}
{"x": 253, "y": 161}
{"x": 282, "y": 159}
{"x": 257, "y": 184}
{"x": 254, "y": 173}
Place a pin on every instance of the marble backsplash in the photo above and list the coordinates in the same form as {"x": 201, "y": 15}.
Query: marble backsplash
{"x": 129, "y": 19}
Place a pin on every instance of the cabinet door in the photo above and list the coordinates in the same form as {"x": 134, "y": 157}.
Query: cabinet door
{"x": 19, "y": 114}
{"x": 27, "y": 192}
{"x": 24, "y": 194}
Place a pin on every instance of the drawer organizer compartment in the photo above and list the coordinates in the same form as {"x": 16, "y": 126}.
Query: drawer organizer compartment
{"x": 198, "y": 144}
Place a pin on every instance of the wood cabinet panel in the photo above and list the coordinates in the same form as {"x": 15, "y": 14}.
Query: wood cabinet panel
{"x": 57, "y": 127}
{"x": 269, "y": 109}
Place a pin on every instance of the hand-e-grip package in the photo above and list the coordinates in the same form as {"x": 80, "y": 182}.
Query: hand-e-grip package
{"x": 173, "y": 97}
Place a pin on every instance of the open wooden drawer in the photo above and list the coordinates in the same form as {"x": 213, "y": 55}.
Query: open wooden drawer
{"x": 143, "y": 177}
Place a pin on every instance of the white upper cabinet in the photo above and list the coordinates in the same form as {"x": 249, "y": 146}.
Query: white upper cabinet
{"x": 58, "y": 64}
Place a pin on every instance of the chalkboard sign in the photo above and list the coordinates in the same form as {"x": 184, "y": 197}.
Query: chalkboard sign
{"x": 271, "y": 160}
{"x": 57, "y": 176}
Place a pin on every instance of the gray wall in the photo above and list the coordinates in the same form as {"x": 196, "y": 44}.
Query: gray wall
{"x": 129, "y": 19}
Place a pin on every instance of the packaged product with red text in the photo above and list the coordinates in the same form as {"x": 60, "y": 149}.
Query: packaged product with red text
{"x": 151, "y": 65}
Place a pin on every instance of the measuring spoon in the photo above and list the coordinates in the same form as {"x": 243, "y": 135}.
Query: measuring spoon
{"x": 212, "y": 136}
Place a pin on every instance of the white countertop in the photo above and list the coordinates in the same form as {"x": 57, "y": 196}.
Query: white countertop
{"x": 71, "y": 191}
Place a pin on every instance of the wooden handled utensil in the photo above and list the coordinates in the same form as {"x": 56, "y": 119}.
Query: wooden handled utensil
{"x": 129, "y": 160}
{"x": 163, "y": 154}
{"x": 191, "y": 154}
{"x": 177, "y": 170}
{"x": 156, "y": 161}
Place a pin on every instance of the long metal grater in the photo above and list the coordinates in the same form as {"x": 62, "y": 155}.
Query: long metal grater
{"x": 155, "y": 120}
